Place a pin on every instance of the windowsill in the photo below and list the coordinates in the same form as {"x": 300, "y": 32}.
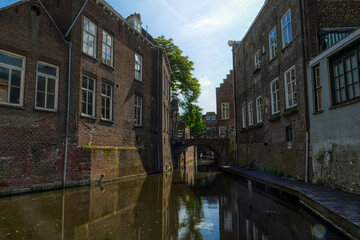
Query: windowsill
{"x": 107, "y": 120}
{"x": 318, "y": 112}
{"x": 256, "y": 71}
{"x": 273, "y": 59}
{"x": 357, "y": 100}
{"x": 46, "y": 110}
{"x": 290, "y": 111}
{"x": 7, "y": 105}
{"x": 139, "y": 81}
{"x": 107, "y": 66}
{"x": 286, "y": 46}
{"x": 137, "y": 126}
{"x": 89, "y": 56}
{"x": 88, "y": 116}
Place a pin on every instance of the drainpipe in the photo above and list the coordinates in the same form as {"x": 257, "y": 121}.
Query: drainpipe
{"x": 307, "y": 142}
{"x": 235, "y": 112}
{"x": 68, "y": 93}
{"x": 158, "y": 110}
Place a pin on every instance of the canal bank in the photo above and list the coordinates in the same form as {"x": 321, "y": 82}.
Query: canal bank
{"x": 340, "y": 209}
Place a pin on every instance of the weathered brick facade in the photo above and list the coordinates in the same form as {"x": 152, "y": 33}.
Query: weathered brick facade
{"x": 224, "y": 95}
{"x": 32, "y": 140}
{"x": 263, "y": 142}
{"x": 210, "y": 121}
{"x": 271, "y": 84}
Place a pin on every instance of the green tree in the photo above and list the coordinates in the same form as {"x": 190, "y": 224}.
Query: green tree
{"x": 193, "y": 119}
{"x": 185, "y": 89}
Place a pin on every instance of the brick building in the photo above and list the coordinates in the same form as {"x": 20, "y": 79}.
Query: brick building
{"x": 210, "y": 121}
{"x": 119, "y": 100}
{"x": 225, "y": 107}
{"x": 270, "y": 80}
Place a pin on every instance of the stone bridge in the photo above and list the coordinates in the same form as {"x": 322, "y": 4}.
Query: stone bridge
{"x": 223, "y": 148}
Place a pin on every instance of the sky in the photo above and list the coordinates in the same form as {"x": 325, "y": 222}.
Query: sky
{"x": 201, "y": 29}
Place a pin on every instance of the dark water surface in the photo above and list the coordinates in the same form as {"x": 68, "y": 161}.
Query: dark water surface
{"x": 183, "y": 205}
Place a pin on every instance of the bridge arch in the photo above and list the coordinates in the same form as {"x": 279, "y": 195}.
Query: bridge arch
{"x": 218, "y": 146}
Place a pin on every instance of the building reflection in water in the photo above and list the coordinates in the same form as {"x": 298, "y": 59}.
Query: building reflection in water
{"x": 186, "y": 204}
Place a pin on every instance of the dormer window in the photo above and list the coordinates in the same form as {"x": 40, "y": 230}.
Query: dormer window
{"x": 137, "y": 25}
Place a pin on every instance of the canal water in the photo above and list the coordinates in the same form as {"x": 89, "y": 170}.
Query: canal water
{"x": 196, "y": 203}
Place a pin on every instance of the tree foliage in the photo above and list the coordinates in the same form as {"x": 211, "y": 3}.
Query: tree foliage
{"x": 193, "y": 119}
{"x": 185, "y": 89}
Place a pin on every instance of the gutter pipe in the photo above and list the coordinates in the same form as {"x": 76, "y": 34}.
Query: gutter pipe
{"x": 68, "y": 94}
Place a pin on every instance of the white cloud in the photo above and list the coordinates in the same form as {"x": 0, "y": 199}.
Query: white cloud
{"x": 205, "y": 226}
{"x": 205, "y": 82}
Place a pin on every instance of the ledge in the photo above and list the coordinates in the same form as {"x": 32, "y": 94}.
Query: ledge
{"x": 46, "y": 110}
{"x": 357, "y": 100}
{"x": 12, "y": 106}
{"x": 275, "y": 117}
{"x": 290, "y": 111}
{"x": 318, "y": 112}
{"x": 87, "y": 116}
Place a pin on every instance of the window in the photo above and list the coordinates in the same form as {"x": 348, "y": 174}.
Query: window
{"x": 46, "y": 86}
{"x": 251, "y": 113}
{"x": 208, "y": 129}
{"x": 89, "y": 37}
{"x": 290, "y": 87}
{"x": 274, "y": 88}
{"x": 318, "y": 89}
{"x": 207, "y": 117}
{"x": 222, "y": 131}
{"x": 258, "y": 109}
{"x": 212, "y": 117}
{"x": 286, "y": 29}
{"x": 243, "y": 110}
{"x": 272, "y": 43}
{"x": 138, "y": 67}
{"x": 88, "y": 96}
{"x": 137, "y": 25}
{"x": 138, "y": 111}
{"x": 257, "y": 59}
{"x": 224, "y": 110}
{"x": 214, "y": 128}
{"x": 12, "y": 68}
{"x": 345, "y": 78}
{"x": 289, "y": 133}
{"x": 107, "y": 50}
{"x": 106, "y": 101}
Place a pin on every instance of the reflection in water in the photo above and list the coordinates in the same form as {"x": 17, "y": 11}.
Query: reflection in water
{"x": 187, "y": 204}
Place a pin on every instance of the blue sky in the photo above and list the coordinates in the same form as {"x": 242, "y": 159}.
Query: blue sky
{"x": 201, "y": 28}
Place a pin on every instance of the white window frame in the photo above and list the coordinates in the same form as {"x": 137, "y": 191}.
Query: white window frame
{"x": 272, "y": 43}
{"x": 243, "y": 111}
{"x": 275, "y": 96}
{"x": 11, "y": 68}
{"x": 290, "y": 88}
{"x": 87, "y": 90}
{"x": 137, "y": 25}
{"x": 108, "y": 43}
{"x": 222, "y": 130}
{"x": 251, "y": 113}
{"x": 225, "y": 110}
{"x": 319, "y": 104}
{"x": 138, "y": 105}
{"x": 213, "y": 129}
{"x": 86, "y": 35}
{"x": 258, "y": 109}
{"x": 213, "y": 118}
{"x": 47, "y": 76}
{"x": 257, "y": 57}
{"x": 286, "y": 29}
{"x": 138, "y": 67}
{"x": 207, "y": 118}
{"x": 103, "y": 104}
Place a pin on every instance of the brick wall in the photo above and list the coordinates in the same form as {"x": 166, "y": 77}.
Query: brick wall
{"x": 266, "y": 146}
{"x": 224, "y": 94}
{"x": 32, "y": 141}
